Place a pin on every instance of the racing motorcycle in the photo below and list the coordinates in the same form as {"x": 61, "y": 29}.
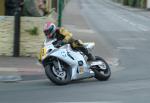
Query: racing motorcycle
{"x": 63, "y": 64}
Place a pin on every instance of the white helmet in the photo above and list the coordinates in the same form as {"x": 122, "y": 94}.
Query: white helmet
{"x": 49, "y": 29}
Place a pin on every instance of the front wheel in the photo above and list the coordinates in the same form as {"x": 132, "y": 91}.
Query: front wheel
{"x": 103, "y": 71}
{"x": 57, "y": 76}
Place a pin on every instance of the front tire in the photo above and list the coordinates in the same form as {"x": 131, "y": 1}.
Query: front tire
{"x": 100, "y": 74}
{"x": 51, "y": 73}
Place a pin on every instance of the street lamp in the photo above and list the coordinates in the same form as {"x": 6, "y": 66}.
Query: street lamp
{"x": 60, "y": 8}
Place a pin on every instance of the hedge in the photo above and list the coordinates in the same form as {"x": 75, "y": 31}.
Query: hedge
{"x": 133, "y": 3}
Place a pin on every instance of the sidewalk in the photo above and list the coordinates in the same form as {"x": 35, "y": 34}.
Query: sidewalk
{"x": 19, "y": 69}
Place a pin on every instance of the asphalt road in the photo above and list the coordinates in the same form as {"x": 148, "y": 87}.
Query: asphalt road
{"x": 127, "y": 33}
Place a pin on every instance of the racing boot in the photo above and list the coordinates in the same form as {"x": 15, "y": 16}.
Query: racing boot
{"x": 90, "y": 57}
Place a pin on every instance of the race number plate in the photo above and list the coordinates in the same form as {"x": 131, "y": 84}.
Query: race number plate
{"x": 81, "y": 70}
{"x": 42, "y": 53}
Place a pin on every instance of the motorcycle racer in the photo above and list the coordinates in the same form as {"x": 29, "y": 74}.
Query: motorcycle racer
{"x": 63, "y": 36}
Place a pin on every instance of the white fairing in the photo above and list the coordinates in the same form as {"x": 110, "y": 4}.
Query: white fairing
{"x": 72, "y": 58}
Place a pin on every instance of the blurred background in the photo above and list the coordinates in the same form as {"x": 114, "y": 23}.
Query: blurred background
{"x": 119, "y": 28}
{"x": 134, "y": 3}
{"x": 21, "y": 24}
{"x": 34, "y": 8}
{"x": 19, "y": 36}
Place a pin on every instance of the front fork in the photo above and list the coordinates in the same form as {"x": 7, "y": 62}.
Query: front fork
{"x": 58, "y": 65}
{"x": 58, "y": 70}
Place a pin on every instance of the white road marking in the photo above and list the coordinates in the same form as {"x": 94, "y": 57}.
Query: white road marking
{"x": 32, "y": 81}
{"x": 126, "y": 47}
{"x": 74, "y": 28}
{"x": 71, "y": 26}
{"x": 93, "y": 102}
{"x": 10, "y": 78}
{"x": 133, "y": 39}
{"x": 114, "y": 65}
{"x": 15, "y": 70}
{"x": 124, "y": 19}
{"x": 116, "y": 69}
{"x": 9, "y": 74}
{"x": 8, "y": 69}
{"x": 82, "y": 30}
{"x": 113, "y": 61}
{"x": 129, "y": 40}
{"x": 139, "y": 26}
{"x": 143, "y": 27}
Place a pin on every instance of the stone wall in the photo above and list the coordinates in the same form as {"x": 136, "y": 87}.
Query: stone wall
{"x": 6, "y": 35}
{"x": 29, "y": 44}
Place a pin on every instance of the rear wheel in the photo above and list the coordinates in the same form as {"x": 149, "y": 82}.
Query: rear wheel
{"x": 56, "y": 75}
{"x": 102, "y": 72}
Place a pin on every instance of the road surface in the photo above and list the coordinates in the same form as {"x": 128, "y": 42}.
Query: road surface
{"x": 126, "y": 34}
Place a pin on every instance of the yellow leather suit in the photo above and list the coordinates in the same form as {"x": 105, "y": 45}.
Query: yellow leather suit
{"x": 68, "y": 37}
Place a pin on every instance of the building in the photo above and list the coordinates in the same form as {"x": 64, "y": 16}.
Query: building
{"x": 29, "y": 7}
{"x": 2, "y": 7}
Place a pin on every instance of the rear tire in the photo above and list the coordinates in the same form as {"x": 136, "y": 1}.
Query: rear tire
{"x": 98, "y": 72}
{"x": 54, "y": 78}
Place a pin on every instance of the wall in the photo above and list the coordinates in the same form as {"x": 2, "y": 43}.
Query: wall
{"x": 2, "y": 7}
{"x": 30, "y": 44}
{"x": 6, "y": 35}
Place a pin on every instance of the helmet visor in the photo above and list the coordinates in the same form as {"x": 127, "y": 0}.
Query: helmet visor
{"x": 48, "y": 33}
